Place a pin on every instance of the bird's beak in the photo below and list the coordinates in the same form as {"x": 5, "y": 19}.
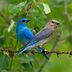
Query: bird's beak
{"x": 28, "y": 20}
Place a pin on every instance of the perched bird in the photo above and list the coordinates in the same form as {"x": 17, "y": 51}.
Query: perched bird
{"x": 24, "y": 34}
{"x": 45, "y": 33}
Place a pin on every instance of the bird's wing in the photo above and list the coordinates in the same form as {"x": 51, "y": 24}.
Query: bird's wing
{"x": 28, "y": 34}
{"x": 43, "y": 34}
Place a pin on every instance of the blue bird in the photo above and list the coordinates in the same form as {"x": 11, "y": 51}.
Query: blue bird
{"x": 45, "y": 33}
{"x": 24, "y": 34}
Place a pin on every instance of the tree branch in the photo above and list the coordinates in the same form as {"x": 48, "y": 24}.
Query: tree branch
{"x": 9, "y": 50}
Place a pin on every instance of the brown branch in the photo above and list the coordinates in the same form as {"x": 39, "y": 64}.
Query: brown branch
{"x": 33, "y": 52}
{"x": 7, "y": 50}
{"x": 54, "y": 52}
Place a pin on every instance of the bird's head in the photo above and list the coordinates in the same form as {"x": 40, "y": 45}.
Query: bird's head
{"x": 53, "y": 23}
{"x": 23, "y": 21}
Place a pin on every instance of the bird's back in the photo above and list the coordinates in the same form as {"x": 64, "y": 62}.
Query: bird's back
{"x": 20, "y": 34}
{"x": 43, "y": 34}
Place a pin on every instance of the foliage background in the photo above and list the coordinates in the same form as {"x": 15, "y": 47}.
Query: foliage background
{"x": 34, "y": 10}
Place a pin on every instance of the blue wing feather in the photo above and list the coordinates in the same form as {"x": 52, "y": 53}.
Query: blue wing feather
{"x": 28, "y": 34}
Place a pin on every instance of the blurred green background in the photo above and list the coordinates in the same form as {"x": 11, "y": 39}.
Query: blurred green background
{"x": 39, "y": 12}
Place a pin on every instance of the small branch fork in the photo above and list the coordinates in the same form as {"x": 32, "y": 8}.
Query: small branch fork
{"x": 11, "y": 52}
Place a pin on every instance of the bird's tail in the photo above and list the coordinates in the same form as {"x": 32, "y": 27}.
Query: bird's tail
{"x": 26, "y": 48}
{"x": 42, "y": 50}
{"x": 23, "y": 50}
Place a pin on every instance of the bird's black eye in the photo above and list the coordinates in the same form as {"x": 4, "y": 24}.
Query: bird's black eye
{"x": 23, "y": 21}
{"x": 53, "y": 22}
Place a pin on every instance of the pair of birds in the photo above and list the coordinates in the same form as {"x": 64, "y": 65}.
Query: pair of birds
{"x": 29, "y": 40}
